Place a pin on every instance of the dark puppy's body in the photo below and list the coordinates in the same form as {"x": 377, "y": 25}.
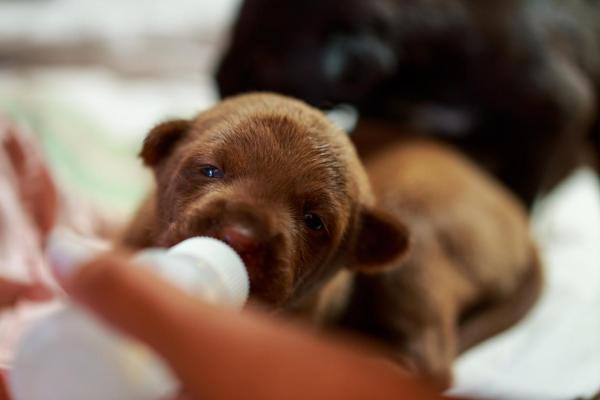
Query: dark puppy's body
{"x": 513, "y": 83}
{"x": 472, "y": 269}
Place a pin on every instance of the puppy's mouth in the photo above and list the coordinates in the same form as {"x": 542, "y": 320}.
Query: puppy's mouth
{"x": 267, "y": 284}
{"x": 269, "y": 273}
{"x": 253, "y": 253}
{"x": 252, "y": 260}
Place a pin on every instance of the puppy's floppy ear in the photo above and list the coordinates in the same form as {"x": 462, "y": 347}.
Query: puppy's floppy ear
{"x": 161, "y": 140}
{"x": 382, "y": 241}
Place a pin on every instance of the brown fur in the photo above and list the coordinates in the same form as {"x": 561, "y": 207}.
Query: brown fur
{"x": 471, "y": 270}
{"x": 282, "y": 160}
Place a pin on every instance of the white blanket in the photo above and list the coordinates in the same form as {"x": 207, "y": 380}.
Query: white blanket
{"x": 555, "y": 352}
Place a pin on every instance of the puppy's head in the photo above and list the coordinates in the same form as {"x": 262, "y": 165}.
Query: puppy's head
{"x": 352, "y": 51}
{"x": 279, "y": 183}
{"x": 344, "y": 49}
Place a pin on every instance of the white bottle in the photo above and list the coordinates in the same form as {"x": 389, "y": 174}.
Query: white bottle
{"x": 71, "y": 355}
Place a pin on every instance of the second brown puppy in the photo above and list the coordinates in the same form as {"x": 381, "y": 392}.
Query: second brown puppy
{"x": 472, "y": 270}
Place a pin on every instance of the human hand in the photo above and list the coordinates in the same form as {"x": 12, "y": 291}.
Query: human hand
{"x": 27, "y": 212}
{"x": 28, "y": 181}
{"x": 12, "y": 292}
{"x": 217, "y": 353}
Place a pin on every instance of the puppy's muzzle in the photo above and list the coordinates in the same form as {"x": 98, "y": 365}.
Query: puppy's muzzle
{"x": 258, "y": 232}
{"x": 247, "y": 228}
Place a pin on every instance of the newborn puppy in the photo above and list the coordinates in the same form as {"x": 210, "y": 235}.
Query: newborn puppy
{"x": 472, "y": 270}
{"x": 279, "y": 183}
{"x": 512, "y": 83}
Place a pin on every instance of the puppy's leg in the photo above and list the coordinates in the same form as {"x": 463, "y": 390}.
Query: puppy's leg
{"x": 492, "y": 317}
{"x": 414, "y": 320}
{"x": 430, "y": 350}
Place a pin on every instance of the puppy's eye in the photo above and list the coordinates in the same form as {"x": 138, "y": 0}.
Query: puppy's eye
{"x": 211, "y": 171}
{"x": 313, "y": 221}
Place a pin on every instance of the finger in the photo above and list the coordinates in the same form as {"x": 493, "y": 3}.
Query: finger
{"x": 219, "y": 354}
{"x": 37, "y": 292}
{"x": 11, "y": 292}
{"x": 130, "y": 298}
{"x": 36, "y": 187}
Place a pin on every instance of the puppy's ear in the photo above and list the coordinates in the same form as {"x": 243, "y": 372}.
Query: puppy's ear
{"x": 162, "y": 138}
{"x": 382, "y": 242}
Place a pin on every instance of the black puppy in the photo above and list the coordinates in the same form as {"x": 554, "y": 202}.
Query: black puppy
{"x": 513, "y": 83}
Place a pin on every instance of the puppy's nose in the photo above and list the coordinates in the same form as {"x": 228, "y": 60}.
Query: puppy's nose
{"x": 241, "y": 238}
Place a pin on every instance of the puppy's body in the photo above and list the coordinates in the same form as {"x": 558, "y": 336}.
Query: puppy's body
{"x": 472, "y": 270}
{"x": 285, "y": 188}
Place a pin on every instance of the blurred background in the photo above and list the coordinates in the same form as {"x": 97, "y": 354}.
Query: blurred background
{"x": 89, "y": 78}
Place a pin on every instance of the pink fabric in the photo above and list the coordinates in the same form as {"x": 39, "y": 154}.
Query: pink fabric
{"x": 27, "y": 206}
{"x": 31, "y": 204}
{"x": 28, "y": 209}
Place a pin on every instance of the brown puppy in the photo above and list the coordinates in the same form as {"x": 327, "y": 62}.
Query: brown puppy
{"x": 472, "y": 270}
{"x": 273, "y": 178}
